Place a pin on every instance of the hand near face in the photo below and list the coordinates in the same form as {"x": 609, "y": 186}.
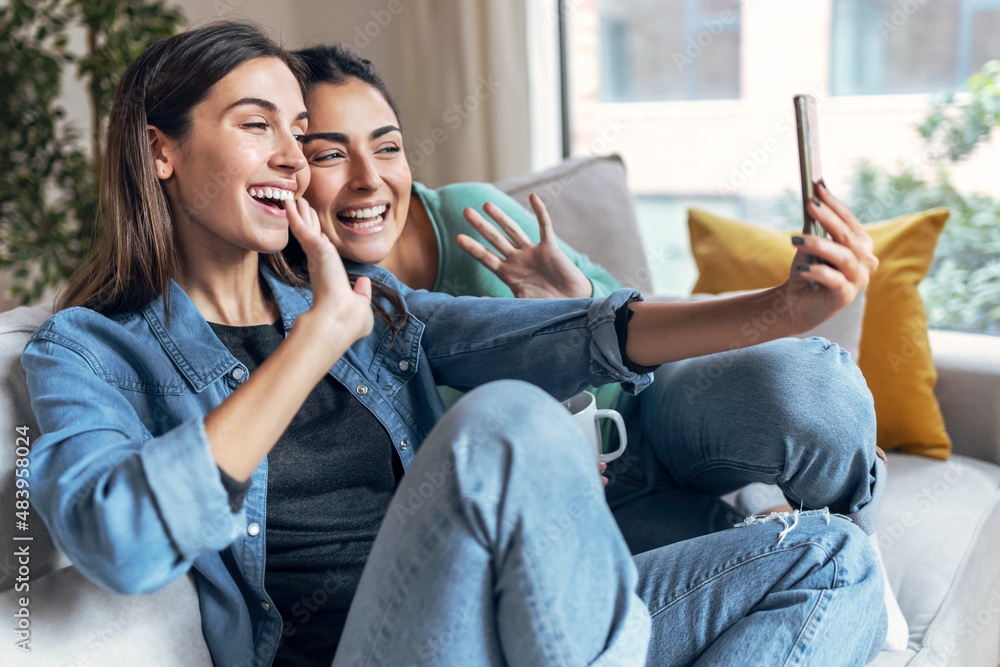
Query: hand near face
{"x": 345, "y": 310}
{"x": 531, "y": 270}
{"x": 848, "y": 250}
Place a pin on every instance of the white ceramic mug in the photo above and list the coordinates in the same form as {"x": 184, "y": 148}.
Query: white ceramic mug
{"x": 583, "y": 407}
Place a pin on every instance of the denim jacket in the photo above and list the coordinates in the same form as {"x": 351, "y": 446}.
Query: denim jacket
{"x": 125, "y": 481}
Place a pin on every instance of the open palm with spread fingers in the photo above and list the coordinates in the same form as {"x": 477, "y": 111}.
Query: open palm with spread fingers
{"x": 531, "y": 270}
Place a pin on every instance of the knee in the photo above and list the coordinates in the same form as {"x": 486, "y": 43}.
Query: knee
{"x": 860, "y": 568}
{"x": 820, "y": 370}
{"x": 849, "y": 558}
{"x": 518, "y": 418}
{"x": 819, "y": 391}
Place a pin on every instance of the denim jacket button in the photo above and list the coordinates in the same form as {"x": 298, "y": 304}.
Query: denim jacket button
{"x": 238, "y": 373}
{"x": 265, "y": 606}
{"x": 404, "y": 365}
{"x": 403, "y": 444}
{"x": 362, "y": 389}
{"x": 253, "y": 529}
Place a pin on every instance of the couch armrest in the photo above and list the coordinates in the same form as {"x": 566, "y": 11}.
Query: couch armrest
{"x": 968, "y": 390}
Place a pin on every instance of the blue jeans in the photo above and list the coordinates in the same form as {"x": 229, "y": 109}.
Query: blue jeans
{"x": 499, "y": 549}
{"x": 795, "y": 413}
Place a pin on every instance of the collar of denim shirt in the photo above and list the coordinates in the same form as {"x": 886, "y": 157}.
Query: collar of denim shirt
{"x": 190, "y": 342}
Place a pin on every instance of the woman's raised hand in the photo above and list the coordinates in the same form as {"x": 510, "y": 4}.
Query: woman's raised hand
{"x": 343, "y": 311}
{"x": 848, "y": 250}
{"x": 531, "y": 270}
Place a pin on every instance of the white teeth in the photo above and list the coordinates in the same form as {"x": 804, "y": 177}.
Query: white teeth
{"x": 272, "y": 193}
{"x": 365, "y": 213}
{"x": 368, "y": 224}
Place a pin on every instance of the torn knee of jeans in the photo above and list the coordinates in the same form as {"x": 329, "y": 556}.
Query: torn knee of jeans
{"x": 787, "y": 519}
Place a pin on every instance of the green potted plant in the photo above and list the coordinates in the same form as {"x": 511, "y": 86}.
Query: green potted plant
{"x": 48, "y": 168}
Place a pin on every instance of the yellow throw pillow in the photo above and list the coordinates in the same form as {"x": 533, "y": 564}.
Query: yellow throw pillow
{"x": 895, "y": 355}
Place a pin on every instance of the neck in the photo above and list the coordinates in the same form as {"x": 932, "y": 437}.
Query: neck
{"x": 232, "y": 293}
{"x": 414, "y": 257}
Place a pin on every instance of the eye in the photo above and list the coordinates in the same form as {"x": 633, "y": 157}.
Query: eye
{"x": 332, "y": 155}
{"x": 257, "y": 126}
{"x": 389, "y": 149}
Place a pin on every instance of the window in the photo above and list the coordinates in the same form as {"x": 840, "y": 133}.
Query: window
{"x": 696, "y": 95}
{"x": 912, "y": 46}
{"x": 659, "y": 49}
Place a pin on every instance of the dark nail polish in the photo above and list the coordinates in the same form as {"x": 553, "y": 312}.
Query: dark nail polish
{"x": 798, "y": 240}
{"x": 803, "y": 268}
{"x": 817, "y": 203}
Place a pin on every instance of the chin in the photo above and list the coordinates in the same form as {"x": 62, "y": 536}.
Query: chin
{"x": 366, "y": 254}
{"x": 272, "y": 245}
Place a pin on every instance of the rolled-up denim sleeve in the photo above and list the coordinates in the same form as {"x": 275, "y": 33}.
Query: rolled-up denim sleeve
{"x": 132, "y": 511}
{"x": 561, "y": 345}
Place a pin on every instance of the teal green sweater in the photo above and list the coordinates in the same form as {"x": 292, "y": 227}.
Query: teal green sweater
{"x": 459, "y": 274}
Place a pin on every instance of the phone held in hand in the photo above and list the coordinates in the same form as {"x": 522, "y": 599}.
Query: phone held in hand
{"x": 810, "y": 171}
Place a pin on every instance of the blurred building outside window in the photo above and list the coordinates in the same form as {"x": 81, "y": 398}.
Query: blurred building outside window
{"x": 697, "y": 97}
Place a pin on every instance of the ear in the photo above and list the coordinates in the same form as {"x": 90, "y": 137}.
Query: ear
{"x": 162, "y": 148}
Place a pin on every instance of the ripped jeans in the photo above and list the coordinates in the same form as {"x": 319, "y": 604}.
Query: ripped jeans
{"x": 795, "y": 413}
{"x": 499, "y": 549}
{"x": 805, "y": 590}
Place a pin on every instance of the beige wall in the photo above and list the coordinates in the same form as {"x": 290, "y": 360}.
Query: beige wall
{"x": 367, "y": 25}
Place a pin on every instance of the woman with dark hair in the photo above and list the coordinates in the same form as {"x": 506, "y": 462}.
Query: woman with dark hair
{"x": 761, "y": 421}
{"x": 193, "y": 400}
{"x": 436, "y": 239}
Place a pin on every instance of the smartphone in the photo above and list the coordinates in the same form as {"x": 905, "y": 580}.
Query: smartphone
{"x": 810, "y": 172}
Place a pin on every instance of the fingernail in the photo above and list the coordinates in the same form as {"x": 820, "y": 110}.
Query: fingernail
{"x": 803, "y": 268}
{"x": 798, "y": 240}
{"x": 817, "y": 203}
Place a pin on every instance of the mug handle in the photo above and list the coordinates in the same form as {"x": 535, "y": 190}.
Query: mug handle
{"x": 622, "y": 437}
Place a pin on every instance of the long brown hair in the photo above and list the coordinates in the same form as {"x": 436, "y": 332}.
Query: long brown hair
{"x": 136, "y": 253}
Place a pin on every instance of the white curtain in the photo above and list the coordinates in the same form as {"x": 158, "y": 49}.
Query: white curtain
{"x": 465, "y": 96}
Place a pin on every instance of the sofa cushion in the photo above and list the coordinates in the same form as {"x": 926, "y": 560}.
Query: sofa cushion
{"x": 74, "y": 622}
{"x": 895, "y": 355}
{"x": 939, "y": 532}
{"x": 16, "y": 326}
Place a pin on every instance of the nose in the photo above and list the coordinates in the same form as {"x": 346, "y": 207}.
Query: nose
{"x": 288, "y": 153}
{"x": 364, "y": 174}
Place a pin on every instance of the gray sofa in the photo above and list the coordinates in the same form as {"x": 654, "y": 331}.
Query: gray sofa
{"x": 939, "y": 530}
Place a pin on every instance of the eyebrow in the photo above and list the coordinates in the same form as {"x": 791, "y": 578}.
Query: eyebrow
{"x": 341, "y": 138}
{"x": 267, "y": 105}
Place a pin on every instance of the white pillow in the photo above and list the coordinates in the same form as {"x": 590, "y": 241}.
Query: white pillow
{"x": 899, "y": 630}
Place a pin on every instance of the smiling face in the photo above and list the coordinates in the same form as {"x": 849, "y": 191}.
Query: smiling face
{"x": 229, "y": 179}
{"x": 360, "y": 183}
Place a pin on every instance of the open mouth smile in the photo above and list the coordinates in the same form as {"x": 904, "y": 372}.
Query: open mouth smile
{"x": 364, "y": 218}
{"x": 272, "y": 197}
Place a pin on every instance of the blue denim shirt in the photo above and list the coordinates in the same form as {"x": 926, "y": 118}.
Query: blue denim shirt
{"x": 125, "y": 481}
